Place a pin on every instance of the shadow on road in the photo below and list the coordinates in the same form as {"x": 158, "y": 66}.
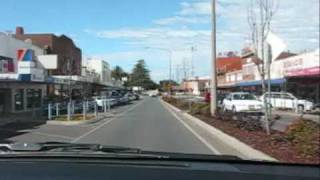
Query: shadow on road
{"x": 16, "y": 128}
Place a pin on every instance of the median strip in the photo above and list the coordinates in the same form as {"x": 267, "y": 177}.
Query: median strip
{"x": 212, "y": 136}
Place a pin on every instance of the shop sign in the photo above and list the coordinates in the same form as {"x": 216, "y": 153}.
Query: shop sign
{"x": 37, "y": 78}
{"x": 300, "y": 65}
{"x": 304, "y": 72}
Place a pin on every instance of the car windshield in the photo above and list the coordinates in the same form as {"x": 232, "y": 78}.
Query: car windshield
{"x": 244, "y": 97}
{"x": 163, "y": 76}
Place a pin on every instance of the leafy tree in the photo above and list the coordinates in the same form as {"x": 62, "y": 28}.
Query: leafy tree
{"x": 166, "y": 85}
{"x": 140, "y": 76}
{"x": 117, "y": 73}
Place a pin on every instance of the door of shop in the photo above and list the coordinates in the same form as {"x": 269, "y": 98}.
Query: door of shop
{"x": 5, "y": 101}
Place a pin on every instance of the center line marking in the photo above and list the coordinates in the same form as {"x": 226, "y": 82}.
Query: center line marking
{"x": 105, "y": 123}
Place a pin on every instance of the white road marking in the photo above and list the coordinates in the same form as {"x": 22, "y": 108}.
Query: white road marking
{"x": 53, "y": 135}
{"x": 105, "y": 123}
{"x": 205, "y": 142}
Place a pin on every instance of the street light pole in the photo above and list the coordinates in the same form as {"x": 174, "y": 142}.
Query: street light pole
{"x": 193, "y": 49}
{"x": 169, "y": 51}
{"x": 170, "y": 72}
{"x": 213, "y": 102}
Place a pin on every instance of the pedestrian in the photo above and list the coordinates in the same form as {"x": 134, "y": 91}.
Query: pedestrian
{"x": 207, "y": 97}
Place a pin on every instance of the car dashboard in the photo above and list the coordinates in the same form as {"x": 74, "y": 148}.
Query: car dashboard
{"x": 82, "y": 168}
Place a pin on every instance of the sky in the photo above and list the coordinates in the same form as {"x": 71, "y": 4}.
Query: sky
{"x": 119, "y": 31}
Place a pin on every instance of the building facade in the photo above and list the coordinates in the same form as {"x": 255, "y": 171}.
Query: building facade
{"x": 102, "y": 69}
{"x": 22, "y": 76}
{"x": 196, "y": 86}
{"x": 69, "y": 55}
{"x": 229, "y": 72}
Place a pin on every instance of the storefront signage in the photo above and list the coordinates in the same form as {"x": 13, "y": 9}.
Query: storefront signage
{"x": 301, "y": 65}
{"x": 304, "y": 72}
{"x": 295, "y": 63}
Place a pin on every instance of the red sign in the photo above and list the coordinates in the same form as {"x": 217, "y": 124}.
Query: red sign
{"x": 304, "y": 72}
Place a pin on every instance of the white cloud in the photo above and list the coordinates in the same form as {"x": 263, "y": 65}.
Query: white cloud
{"x": 182, "y": 20}
{"x": 157, "y": 37}
{"x": 296, "y": 21}
{"x": 195, "y": 8}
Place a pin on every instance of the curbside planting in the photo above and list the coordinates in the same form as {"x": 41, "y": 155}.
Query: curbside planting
{"x": 74, "y": 123}
{"x": 238, "y": 148}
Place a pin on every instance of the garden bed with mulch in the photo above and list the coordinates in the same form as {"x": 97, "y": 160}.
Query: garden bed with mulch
{"x": 300, "y": 143}
{"x": 75, "y": 117}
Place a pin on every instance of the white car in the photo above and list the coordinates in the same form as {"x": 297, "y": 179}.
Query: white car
{"x": 287, "y": 101}
{"x": 100, "y": 100}
{"x": 242, "y": 102}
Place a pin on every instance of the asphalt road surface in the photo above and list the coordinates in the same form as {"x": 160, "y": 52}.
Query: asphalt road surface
{"x": 145, "y": 124}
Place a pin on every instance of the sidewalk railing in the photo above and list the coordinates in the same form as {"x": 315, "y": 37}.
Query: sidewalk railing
{"x": 71, "y": 109}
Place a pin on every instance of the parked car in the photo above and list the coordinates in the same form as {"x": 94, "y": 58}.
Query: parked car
{"x": 287, "y": 101}
{"x": 100, "y": 101}
{"x": 119, "y": 97}
{"x": 242, "y": 102}
{"x": 316, "y": 107}
{"x": 133, "y": 96}
{"x": 220, "y": 98}
{"x": 124, "y": 99}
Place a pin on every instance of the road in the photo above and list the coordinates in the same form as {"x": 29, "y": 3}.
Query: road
{"x": 145, "y": 124}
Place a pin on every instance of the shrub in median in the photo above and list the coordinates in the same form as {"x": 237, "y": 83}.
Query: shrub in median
{"x": 196, "y": 108}
{"x": 205, "y": 110}
{"x": 304, "y": 134}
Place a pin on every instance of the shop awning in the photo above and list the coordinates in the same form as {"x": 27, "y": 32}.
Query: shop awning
{"x": 256, "y": 83}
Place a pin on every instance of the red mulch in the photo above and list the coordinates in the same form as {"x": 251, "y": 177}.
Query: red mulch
{"x": 273, "y": 145}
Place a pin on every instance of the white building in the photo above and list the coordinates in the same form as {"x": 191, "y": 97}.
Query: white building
{"x": 299, "y": 65}
{"x": 22, "y": 75}
{"x": 197, "y": 85}
{"x": 102, "y": 68}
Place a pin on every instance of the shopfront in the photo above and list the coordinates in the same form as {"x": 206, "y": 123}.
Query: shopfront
{"x": 18, "y": 97}
{"x": 255, "y": 87}
{"x": 303, "y": 76}
{"x": 305, "y": 87}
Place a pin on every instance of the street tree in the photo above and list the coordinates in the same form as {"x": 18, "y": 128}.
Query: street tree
{"x": 140, "y": 76}
{"x": 259, "y": 16}
{"x": 118, "y": 73}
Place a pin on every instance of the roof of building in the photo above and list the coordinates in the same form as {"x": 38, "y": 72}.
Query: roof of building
{"x": 284, "y": 55}
{"x": 40, "y": 38}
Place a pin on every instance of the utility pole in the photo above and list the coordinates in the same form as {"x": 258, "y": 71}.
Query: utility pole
{"x": 178, "y": 73}
{"x": 184, "y": 67}
{"x": 69, "y": 82}
{"x": 193, "y": 49}
{"x": 213, "y": 102}
{"x": 170, "y": 65}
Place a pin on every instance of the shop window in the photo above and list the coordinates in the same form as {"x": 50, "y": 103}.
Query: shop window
{"x": 33, "y": 98}
{"x": 37, "y": 97}
{"x": 19, "y": 99}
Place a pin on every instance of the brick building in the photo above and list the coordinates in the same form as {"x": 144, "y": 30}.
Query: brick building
{"x": 69, "y": 55}
{"x": 229, "y": 71}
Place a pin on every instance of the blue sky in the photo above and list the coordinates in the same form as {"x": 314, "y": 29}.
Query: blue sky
{"x": 118, "y": 30}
